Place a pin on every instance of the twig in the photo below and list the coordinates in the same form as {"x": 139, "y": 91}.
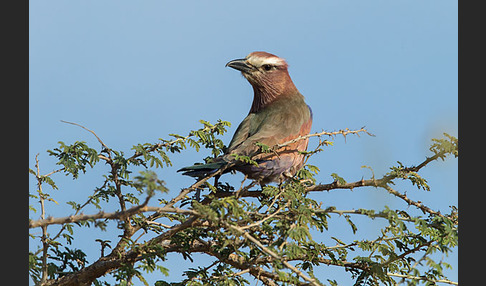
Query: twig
{"x": 167, "y": 143}
{"x": 239, "y": 262}
{"x": 337, "y": 246}
{"x": 186, "y": 191}
{"x": 241, "y": 272}
{"x": 274, "y": 201}
{"x": 78, "y": 210}
{"x": 266, "y": 218}
{"x": 361, "y": 212}
{"x": 312, "y": 281}
{"x": 91, "y": 131}
{"x": 237, "y": 193}
{"x": 275, "y": 149}
{"x": 102, "y": 215}
{"x": 128, "y": 229}
{"x": 197, "y": 184}
{"x": 45, "y": 244}
{"x": 331, "y": 134}
{"x": 158, "y": 224}
{"x": 405, "y": 253}
{"x": 422, "y": 278}
{"x": 375, "y": 183}
{"x": 53, "y": 172}
{"x": 383, "y": 183}
{"x": 419, "y": 205}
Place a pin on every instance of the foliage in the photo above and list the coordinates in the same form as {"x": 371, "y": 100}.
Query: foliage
{"x": 264, "y": 233}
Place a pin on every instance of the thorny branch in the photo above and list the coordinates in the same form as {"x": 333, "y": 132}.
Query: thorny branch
{"x": 113, "y": 216}
{"x": 91, "y": 131}
{"x": 424, "y": 278}
{"x": 274, "y": 255}
{"x": 264, "y": 276}
{"x": 44, "y": 238}
{"x": 384, "y": 183}
{"x": 119, "y": 257}
{"x": 343, "y": 132}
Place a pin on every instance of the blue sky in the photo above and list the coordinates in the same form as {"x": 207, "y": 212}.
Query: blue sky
{"x": 136, "y": 71}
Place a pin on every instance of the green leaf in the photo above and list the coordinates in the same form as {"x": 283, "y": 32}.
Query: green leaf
{"x": 263, "y": 147}
{"x": 443, "y": 147}
{"x": 338, "y": 179}
{"x": 350, "y": 222}
{"x": 75, "y": 157}
{"x": 244, "y": 159}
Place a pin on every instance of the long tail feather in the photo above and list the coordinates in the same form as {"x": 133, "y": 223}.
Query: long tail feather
{"x": 201, "y": 170}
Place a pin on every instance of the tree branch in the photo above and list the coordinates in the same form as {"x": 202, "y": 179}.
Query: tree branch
{"x": 193, "y": 223}
{"x": 343, "y": 132}
{"x": 424, "y": 278}
{"x": 115, "y": 215}
{"x": 92, "y": 132}
{"x": 383, "y": 183}
{"x": 45, "y": 243}
{"x": 312, "y": 281}
{"x": 239, "y": 262}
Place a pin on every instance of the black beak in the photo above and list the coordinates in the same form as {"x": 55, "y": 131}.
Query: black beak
{"x": 241, "y": 65}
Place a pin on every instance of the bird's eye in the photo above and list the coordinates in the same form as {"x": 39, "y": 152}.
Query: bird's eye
{"x": 267, "y": 67}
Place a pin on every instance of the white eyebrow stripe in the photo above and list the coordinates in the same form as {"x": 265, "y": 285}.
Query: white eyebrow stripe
{"x": 272, "y": 61}
{"x": 256, "y": 61}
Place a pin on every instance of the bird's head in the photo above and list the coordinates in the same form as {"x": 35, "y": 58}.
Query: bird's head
{"x": 268, "y": 75}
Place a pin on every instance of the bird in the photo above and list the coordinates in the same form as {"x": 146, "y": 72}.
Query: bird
{"x": 278, "y": 114}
